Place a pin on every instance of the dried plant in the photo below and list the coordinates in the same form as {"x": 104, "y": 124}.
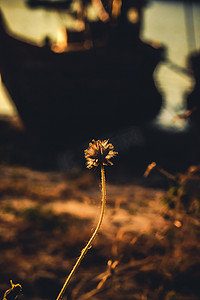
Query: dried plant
{"x": 98, "y": 153}
{"x": 181, "y": 194}
{"x": 13, "y": 292}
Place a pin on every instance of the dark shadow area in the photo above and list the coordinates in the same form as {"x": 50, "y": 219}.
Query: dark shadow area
{"x": 94, "y": 85}
{"x": 138, "y": 146}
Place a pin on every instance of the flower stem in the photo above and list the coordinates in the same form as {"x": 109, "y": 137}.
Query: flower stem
{"x": 87, "y": 247}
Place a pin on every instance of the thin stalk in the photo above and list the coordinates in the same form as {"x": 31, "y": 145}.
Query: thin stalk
{"x": 87, "y": 247}
{"x": 167, "y": 174}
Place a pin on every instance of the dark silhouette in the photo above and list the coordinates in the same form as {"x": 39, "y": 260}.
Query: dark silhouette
{"x": 193, "y": 99}
{"x": 84, "y": 91}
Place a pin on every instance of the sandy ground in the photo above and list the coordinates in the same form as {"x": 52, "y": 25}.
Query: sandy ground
{"x": 47, "y": 217}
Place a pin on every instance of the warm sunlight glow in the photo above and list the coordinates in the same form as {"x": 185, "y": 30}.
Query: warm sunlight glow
{"x": 177, "y": 223}
{"x": 6, "y": 105}
{"x": 61, "y": 42}
{"x": 92, "y": 14}
{"x": 76, "y": 6}
{"x": 156, "y": 44}
{"x": 133, "y": 15}
{"x": 116, "y": 8}
{"x": 79, "y": 25}
{"x": 102, "y": 14}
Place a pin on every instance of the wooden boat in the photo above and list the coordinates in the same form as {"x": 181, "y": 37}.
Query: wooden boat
{"x": 82, "y": 92}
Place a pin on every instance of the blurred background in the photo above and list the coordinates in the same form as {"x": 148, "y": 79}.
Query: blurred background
{"x": 171, "y": 25}
{"x": 176, "y": 24}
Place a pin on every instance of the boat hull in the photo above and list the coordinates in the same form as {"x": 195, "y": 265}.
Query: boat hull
{"x": 80, "y": 93}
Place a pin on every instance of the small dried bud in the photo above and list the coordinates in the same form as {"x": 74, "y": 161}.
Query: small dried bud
{"x": 99, "y": 153}
{"x": 149, "y": 168}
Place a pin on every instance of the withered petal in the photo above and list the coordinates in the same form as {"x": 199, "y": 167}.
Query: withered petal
{"x": 99, "y": 153}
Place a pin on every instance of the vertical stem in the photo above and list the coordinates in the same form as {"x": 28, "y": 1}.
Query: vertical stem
{"x": 87, "y": 247}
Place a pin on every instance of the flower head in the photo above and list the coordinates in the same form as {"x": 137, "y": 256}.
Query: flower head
{"x": 99, "y": 153}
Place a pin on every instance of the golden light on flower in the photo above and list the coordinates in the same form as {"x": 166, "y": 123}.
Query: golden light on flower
{"x": 61, "y": 41}
{"x": 99, "y": 153}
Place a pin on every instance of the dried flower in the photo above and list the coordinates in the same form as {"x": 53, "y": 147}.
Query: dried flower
{"x": 99, "y": 153}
